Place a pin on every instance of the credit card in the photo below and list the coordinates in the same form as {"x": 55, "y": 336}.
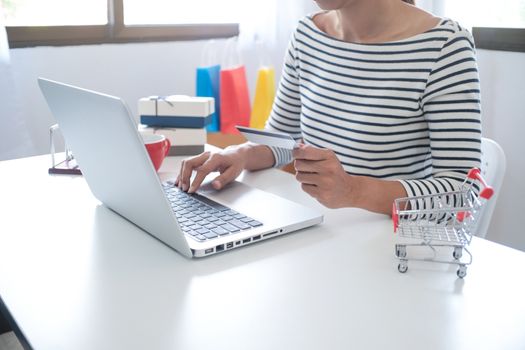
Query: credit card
{"x": 268, "y": 138}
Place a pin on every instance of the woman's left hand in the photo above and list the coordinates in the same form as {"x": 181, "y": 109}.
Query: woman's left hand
{"x": 322, "y": 176}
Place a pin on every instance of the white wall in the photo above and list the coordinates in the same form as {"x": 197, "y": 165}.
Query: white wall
{"x": 129, "y": 71}
{"x": 502, "y": 77}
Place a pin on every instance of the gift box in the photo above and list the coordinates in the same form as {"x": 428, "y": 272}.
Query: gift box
{"x": 176, "y": 111}
{"x": 184, "y": 141}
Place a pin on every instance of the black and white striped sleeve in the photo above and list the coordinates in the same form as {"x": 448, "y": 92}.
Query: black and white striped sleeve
{"x": 451, "y": 105}
{"x": 286, "y": 111}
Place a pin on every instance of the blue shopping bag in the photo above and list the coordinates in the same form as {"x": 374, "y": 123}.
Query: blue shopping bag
{"x": 208, "y": 82}
{"x": 208, "y": 85}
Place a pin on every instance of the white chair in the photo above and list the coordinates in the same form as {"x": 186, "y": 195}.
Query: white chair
{"x": 493, "y": 165}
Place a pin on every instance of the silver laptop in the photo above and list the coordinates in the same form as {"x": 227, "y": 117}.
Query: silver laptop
{"x": 103, "y": 136}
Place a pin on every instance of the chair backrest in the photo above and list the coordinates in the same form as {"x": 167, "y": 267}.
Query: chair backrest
{"x": 493, "y": 165}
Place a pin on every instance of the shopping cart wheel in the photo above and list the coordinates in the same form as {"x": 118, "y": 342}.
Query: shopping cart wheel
{"x": 401, "y": 251}
{"x": 402, "y": 267}
{"x": 458, "y": 253}
{"x": 462, "y": 271}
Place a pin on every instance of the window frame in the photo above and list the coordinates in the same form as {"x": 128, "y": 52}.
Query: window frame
{"x": 500, "y": 39}
{"x": 115, "y": 32}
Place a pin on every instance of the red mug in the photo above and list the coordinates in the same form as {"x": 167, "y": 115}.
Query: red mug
{"x": 158, "y": 147}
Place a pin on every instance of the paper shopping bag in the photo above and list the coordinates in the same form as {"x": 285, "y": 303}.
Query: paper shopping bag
{"x": 208, "y": 85}
{"x": 208, "y": 80}
{"x": 264, "y": 96}
{"x": 234, "y": 93}
{"x": 235, "y": 99}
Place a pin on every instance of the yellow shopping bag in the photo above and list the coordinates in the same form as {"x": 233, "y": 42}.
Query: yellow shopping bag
{"x": 264, "y": 96}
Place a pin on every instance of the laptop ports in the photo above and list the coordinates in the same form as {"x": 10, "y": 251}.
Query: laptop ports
{"x": 270, "y": 234}
{"x": 229, "y": 245}
{"x": 219, "y": 248}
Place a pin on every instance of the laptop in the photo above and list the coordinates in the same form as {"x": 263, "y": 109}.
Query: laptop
{"x": 103, "y": 136}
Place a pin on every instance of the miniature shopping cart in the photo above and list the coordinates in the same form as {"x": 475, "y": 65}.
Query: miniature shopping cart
{"x": 441, "y": 220}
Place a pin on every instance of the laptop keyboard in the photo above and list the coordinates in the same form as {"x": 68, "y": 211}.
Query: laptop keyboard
{"x": 203, "y": 219}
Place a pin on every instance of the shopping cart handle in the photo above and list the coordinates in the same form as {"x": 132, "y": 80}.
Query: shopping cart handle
{"x": 487, "y": 191}
{"x": 395, "y": 218}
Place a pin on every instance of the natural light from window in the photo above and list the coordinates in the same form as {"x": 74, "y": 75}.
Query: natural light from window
{"x": 485, "y": 13}
{"x": 54, "y": 12}
{"x": 137, "y": 12}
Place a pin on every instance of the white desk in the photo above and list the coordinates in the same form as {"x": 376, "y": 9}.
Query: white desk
{"x": 74, "y": 275}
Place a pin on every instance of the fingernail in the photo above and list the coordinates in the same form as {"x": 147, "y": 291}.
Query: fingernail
{"x": 216, "y": 184}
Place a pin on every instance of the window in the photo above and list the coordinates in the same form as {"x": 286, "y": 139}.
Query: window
{"x": 68, "y": 22}
{"x": 140, "y": 12}
{"x": 23, "y": 13}
{"x": 485, "y": 13}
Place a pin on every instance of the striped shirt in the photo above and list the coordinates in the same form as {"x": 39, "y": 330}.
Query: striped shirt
{"x": 406, "y": 110}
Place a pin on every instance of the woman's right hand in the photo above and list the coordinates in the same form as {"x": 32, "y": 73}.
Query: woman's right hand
{"x": 229, "y": 162}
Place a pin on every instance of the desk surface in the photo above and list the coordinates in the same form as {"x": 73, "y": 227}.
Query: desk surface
{"x": 74, "y": 275}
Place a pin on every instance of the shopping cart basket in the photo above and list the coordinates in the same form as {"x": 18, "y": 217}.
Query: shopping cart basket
{"x": 441, "y": 220}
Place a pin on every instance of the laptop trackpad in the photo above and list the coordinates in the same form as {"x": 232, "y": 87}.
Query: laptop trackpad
{"x": 257, "y": 204}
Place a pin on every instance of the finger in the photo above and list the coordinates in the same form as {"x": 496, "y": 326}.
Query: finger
{"x": 308, "y": 166}
{"x": 180, "y": 174}
{"x": 308, "y": 152}
{"x": 210, "y": 165}
{"x": 298, "y": 150}
{"x": 298, "y": 144}
{"x": 312, "y": 190}
{"x": 307, "y": 178}
{"x": 225, "y": 178}
{"x": 187, "y": 168}
{"x": 199, "y": 178}
{"x": 185, "y": 175}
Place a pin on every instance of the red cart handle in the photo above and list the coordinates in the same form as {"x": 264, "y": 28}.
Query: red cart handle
{"x": 395, "y": 218}
{"x": 487, "y": 191}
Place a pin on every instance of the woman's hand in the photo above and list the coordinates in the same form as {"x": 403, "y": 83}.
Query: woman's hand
{"x": 229, "y": 162}
{"x": 322, "y": 176}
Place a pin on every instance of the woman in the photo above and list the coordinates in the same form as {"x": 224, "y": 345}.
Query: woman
{"x": 385, "y": 97}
